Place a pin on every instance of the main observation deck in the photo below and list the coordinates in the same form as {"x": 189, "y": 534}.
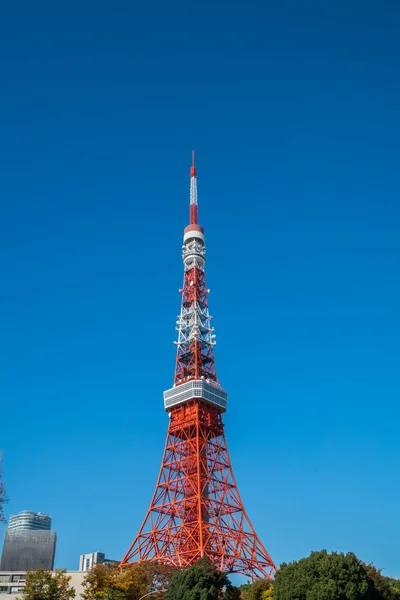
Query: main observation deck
{"x": 196, "y": 389}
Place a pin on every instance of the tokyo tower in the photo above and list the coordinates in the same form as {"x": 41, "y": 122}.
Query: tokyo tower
{"x": 196, "y": 509}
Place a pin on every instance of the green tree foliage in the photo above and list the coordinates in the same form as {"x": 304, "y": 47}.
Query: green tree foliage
{"x": 269, "y": 593}
{"x": 45, "y": 585}
{"x": 129, "y": 583}
{"x": 386, "y": 588}
{"x": 201, "y": 581}
{"x": 260, "y": 589}
{"x": 394, "y": 586}
{"x": 323, "y": 576}
{"x": 3, "y": 498}
{"x": 232, "y": 593}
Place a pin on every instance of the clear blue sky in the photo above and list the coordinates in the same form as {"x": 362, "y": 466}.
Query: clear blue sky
{"x": 293, "y": 109}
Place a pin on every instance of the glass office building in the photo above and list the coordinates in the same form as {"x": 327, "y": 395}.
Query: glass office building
{"x": 27, "y": 520}
{"x": 29, "y": 543}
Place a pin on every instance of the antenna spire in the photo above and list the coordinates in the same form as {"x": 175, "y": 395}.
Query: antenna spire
{"x": 193, "y": 168}
{"x": 194, "y": 211}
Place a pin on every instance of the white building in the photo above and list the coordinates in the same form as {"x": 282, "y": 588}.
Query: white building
{"x": 12, "y": 583}
{"x": 27, "y": 520}
{"x": 87, "y": 561}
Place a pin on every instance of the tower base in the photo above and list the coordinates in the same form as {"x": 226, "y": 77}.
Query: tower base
{"x": 196, "y": 509}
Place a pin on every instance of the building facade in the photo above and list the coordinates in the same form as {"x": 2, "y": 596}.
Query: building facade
{"x": 29, "y": 543}
{"x": 27, "y": 520}
{"x": 87, "y": 561}
{"x": 28, "y": 550}
{"x": 12, "y": 583}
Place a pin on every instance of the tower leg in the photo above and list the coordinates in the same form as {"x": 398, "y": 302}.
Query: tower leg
{"x": 196, "y": 508}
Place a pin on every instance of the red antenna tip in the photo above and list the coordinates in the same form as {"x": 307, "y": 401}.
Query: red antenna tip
{"x": 192, "y": 168}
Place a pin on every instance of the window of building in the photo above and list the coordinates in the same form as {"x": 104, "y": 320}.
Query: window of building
{"x": 4, "y": 578}
{"x": 18, "y": 578}
{"x": 14, "y": 589}
{"x": 3, "y": 589}
{"x": 87, "y": 564}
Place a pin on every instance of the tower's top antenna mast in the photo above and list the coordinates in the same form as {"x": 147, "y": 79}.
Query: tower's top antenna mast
{"x": 192, "y": 168}
{"x": 194, "y": 209}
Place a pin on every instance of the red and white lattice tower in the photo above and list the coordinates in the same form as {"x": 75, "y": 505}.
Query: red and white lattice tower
{"x": 196, "y": 509}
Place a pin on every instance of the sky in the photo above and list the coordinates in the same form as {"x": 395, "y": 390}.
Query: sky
{"x": 292, "y": 109}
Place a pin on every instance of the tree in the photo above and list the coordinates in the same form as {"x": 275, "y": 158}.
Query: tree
{"x": 45, "y": 585}
{"x": 323, "y": 576}
{"x": 387, "y": 588}
{"x": 100, "y": 582}
{"x": 201, "y": 581}
{"x": 3, "y": 496}
{"x": 260, "y": 589}
{"x": 232, "y": 593}
{"x": 269, "y": 593}
{"x": 129, "y": 583}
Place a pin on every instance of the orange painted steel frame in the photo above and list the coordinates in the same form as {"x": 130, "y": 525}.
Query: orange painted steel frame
{"x": 196, "y": 509}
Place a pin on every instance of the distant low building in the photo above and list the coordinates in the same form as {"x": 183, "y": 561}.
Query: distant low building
{"x": 12, "y": 583}
{"x": 87, "y": 561}
{"x": 29, "y": 543}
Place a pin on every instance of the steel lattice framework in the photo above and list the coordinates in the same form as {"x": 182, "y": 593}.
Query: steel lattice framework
{"x": 196, "y": 509}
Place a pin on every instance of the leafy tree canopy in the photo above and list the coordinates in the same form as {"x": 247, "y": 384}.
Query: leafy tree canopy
{"x": 269, "y": 593}
{"x": 323, "y": 576}
{"x": 386, "y": 588}
{"x": 129, "y": 583}
{"x": 260, "y": 589}
{"x": 232, "y": 593}
{"x": 201, "y": 581}
{"x": 45, "y": 585}
{"x": 3, "y": 497}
